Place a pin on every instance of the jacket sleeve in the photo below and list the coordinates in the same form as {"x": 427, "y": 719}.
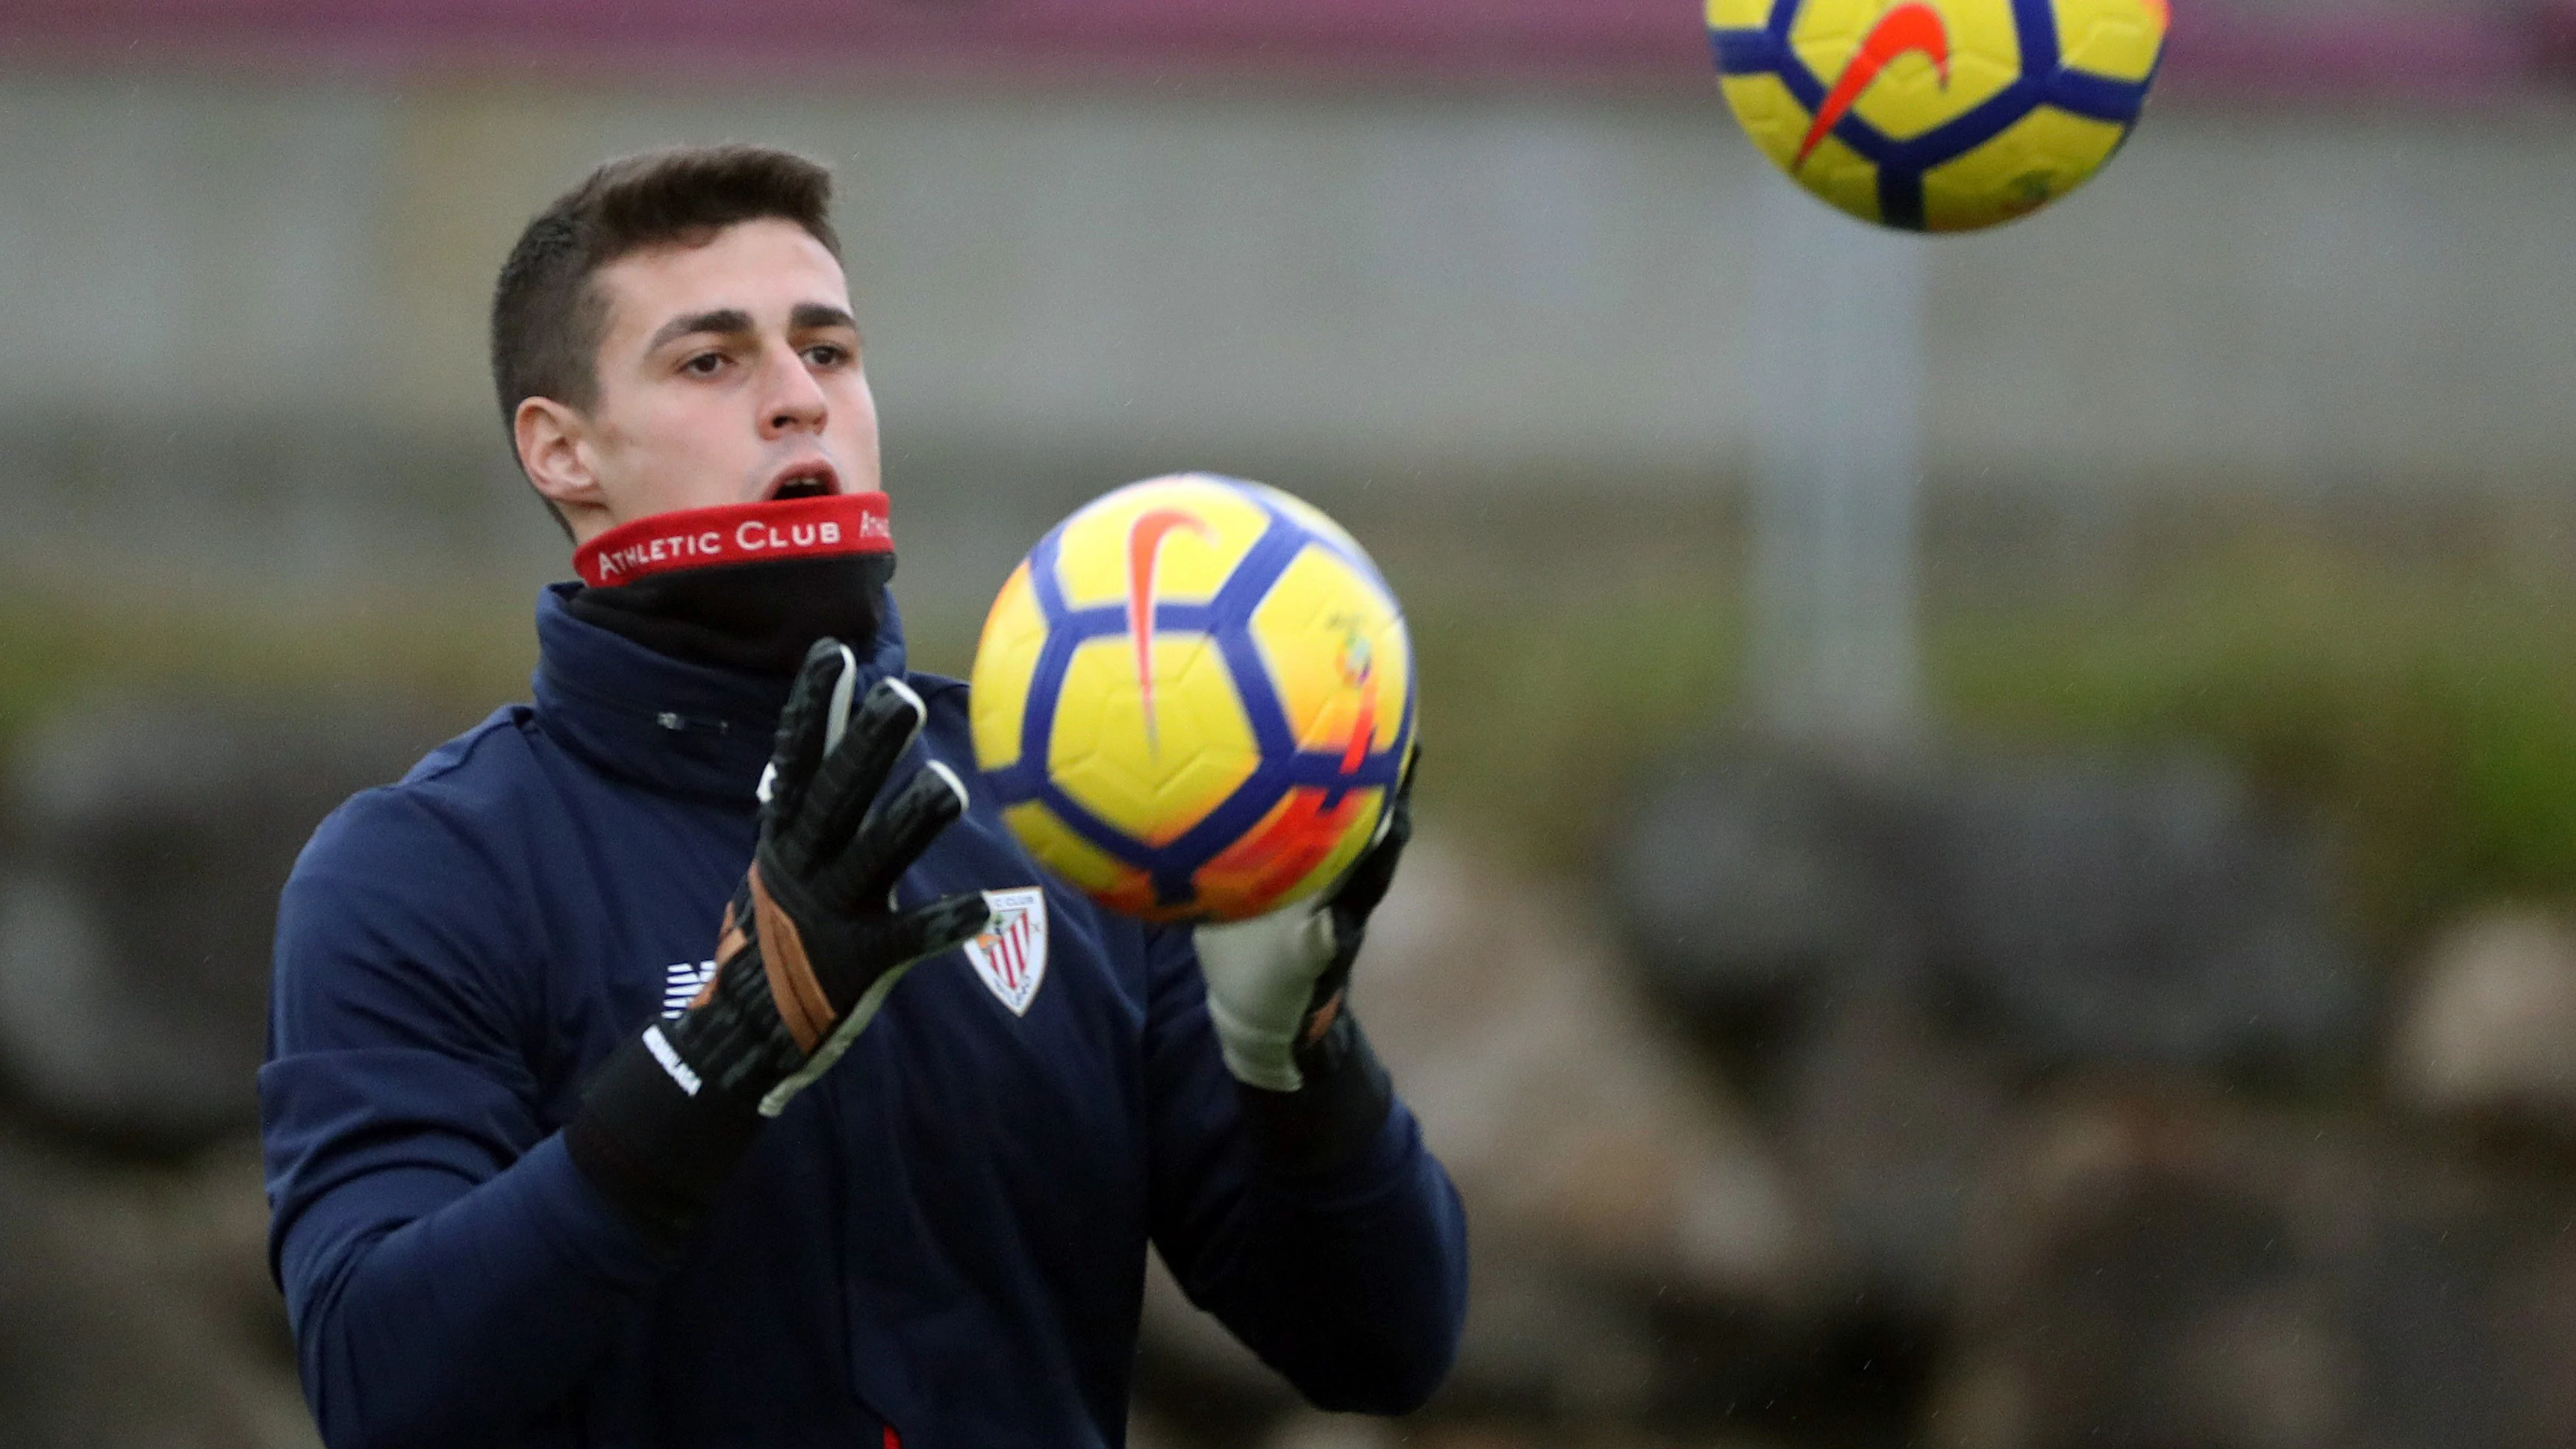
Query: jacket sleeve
{"x": 1352, "y": 1283}
{"x": 449, "y": 1275}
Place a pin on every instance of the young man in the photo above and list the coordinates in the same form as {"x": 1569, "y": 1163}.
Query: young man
{"x": 543, "y": 1173}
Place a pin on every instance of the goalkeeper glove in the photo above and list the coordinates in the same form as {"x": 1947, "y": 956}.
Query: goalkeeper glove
{"x": 1314, "y": 1092}
{"x": 811, "y": 944}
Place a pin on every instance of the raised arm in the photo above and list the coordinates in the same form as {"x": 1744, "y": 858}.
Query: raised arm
{"x": 1292, "y": 1194}
{"x": 452, "y": 1268}
{"x": 447, "y": 1270}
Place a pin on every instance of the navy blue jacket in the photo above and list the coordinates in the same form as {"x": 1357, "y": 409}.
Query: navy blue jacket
{"x": 942, "y": 1242}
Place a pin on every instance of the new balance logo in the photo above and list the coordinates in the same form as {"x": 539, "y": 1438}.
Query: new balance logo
{"x": 682, "y": 982}
{"x": 669, "y": 1056}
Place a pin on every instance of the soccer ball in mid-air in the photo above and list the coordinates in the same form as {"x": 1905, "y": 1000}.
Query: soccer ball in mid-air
{"x": 1937, "y": 115}
{"x": 1194, "y": 699}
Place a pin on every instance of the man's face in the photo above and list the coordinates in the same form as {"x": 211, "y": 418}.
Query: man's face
{"x": 729, "y": 372}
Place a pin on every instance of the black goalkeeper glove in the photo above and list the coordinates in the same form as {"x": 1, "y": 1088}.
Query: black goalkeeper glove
{"x": 811, "y": 944}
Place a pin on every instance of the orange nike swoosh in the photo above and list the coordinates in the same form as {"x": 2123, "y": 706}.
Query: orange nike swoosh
{"x": 1911, "y": 27}
{"x": 1144, "y": 554}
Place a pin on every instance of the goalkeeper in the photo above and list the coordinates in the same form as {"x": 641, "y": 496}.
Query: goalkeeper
{"x": 689, "y": 1058}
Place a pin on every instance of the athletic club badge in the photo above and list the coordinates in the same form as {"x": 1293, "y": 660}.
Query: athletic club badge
{"x": 1011, "y": 955}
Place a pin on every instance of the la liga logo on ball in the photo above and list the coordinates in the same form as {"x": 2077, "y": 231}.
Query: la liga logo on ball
{"x": 1938, "y": 115}
{"x": 1193, "y": 699}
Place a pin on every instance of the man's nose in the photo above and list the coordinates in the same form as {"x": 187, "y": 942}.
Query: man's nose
{"x": 795, "y": 402}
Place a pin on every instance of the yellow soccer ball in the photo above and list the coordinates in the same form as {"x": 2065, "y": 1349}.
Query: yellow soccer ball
{"x": 1194, "y": 699}
{"x": 1938, "y": 115}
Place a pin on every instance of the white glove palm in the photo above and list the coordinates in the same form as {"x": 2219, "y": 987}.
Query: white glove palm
{"x": 1275, "y": 982}
{"x": 1261, "y": 977}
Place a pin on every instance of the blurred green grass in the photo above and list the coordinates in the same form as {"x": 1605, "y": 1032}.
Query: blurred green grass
{"x": 459, "y": 656}
{"x": 2422, "y": 709}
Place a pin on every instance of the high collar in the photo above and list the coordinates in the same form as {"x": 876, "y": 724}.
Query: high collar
{"x": 680, "y": 728}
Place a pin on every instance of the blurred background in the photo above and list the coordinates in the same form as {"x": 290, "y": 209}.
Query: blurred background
{"x": 2001, "y": 810}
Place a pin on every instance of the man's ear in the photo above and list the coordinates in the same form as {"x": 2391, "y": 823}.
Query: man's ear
{"x": 554, "y": 450}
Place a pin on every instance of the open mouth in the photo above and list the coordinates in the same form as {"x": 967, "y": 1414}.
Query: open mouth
{"x": 805, "y": 480}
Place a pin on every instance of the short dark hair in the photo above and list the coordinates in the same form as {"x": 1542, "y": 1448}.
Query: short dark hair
{"x": 547, "y": 318}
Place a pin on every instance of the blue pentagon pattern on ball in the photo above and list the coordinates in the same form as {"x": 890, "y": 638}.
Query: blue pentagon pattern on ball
{"x": 1938, "y": 115}
{"x": 1193, "y": 700}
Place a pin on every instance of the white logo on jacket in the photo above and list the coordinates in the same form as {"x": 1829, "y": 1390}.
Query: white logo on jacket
{"x": 1011, "y": 955}
{"x": 682, "y": 980}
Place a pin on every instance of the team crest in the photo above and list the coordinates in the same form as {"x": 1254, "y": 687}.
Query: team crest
{"x": 1011, "y": 955}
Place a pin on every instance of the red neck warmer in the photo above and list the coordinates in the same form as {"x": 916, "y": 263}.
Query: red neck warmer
{"x": 737, "y": 533}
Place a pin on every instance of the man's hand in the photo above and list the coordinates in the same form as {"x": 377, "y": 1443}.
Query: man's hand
{"x": 811, "y": 944}
{"x": 815, "y": 919}
{"x": 1275, "y": 982}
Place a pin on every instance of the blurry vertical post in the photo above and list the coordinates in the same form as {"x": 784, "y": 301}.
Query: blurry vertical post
{"x": 1837, "y": 327}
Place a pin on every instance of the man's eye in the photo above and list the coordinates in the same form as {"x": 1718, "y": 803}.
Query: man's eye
{"x": 827, "y": 354}
{"x": 705, "y": 364}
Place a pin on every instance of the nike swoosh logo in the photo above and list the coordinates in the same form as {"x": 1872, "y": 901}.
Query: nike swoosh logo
{"x": 1911, "y": 28}
{"x": 1144, "y": 558}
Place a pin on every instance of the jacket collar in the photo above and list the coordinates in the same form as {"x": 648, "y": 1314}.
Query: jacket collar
{"x": 678, "y": 728}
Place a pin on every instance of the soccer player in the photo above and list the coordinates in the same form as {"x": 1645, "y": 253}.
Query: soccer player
{"x": 650, "y": 1065}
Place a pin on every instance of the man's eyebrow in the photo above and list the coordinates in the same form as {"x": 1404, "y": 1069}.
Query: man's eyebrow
{"x": 810, "y": 316}
{"x": 724, "y": 320}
